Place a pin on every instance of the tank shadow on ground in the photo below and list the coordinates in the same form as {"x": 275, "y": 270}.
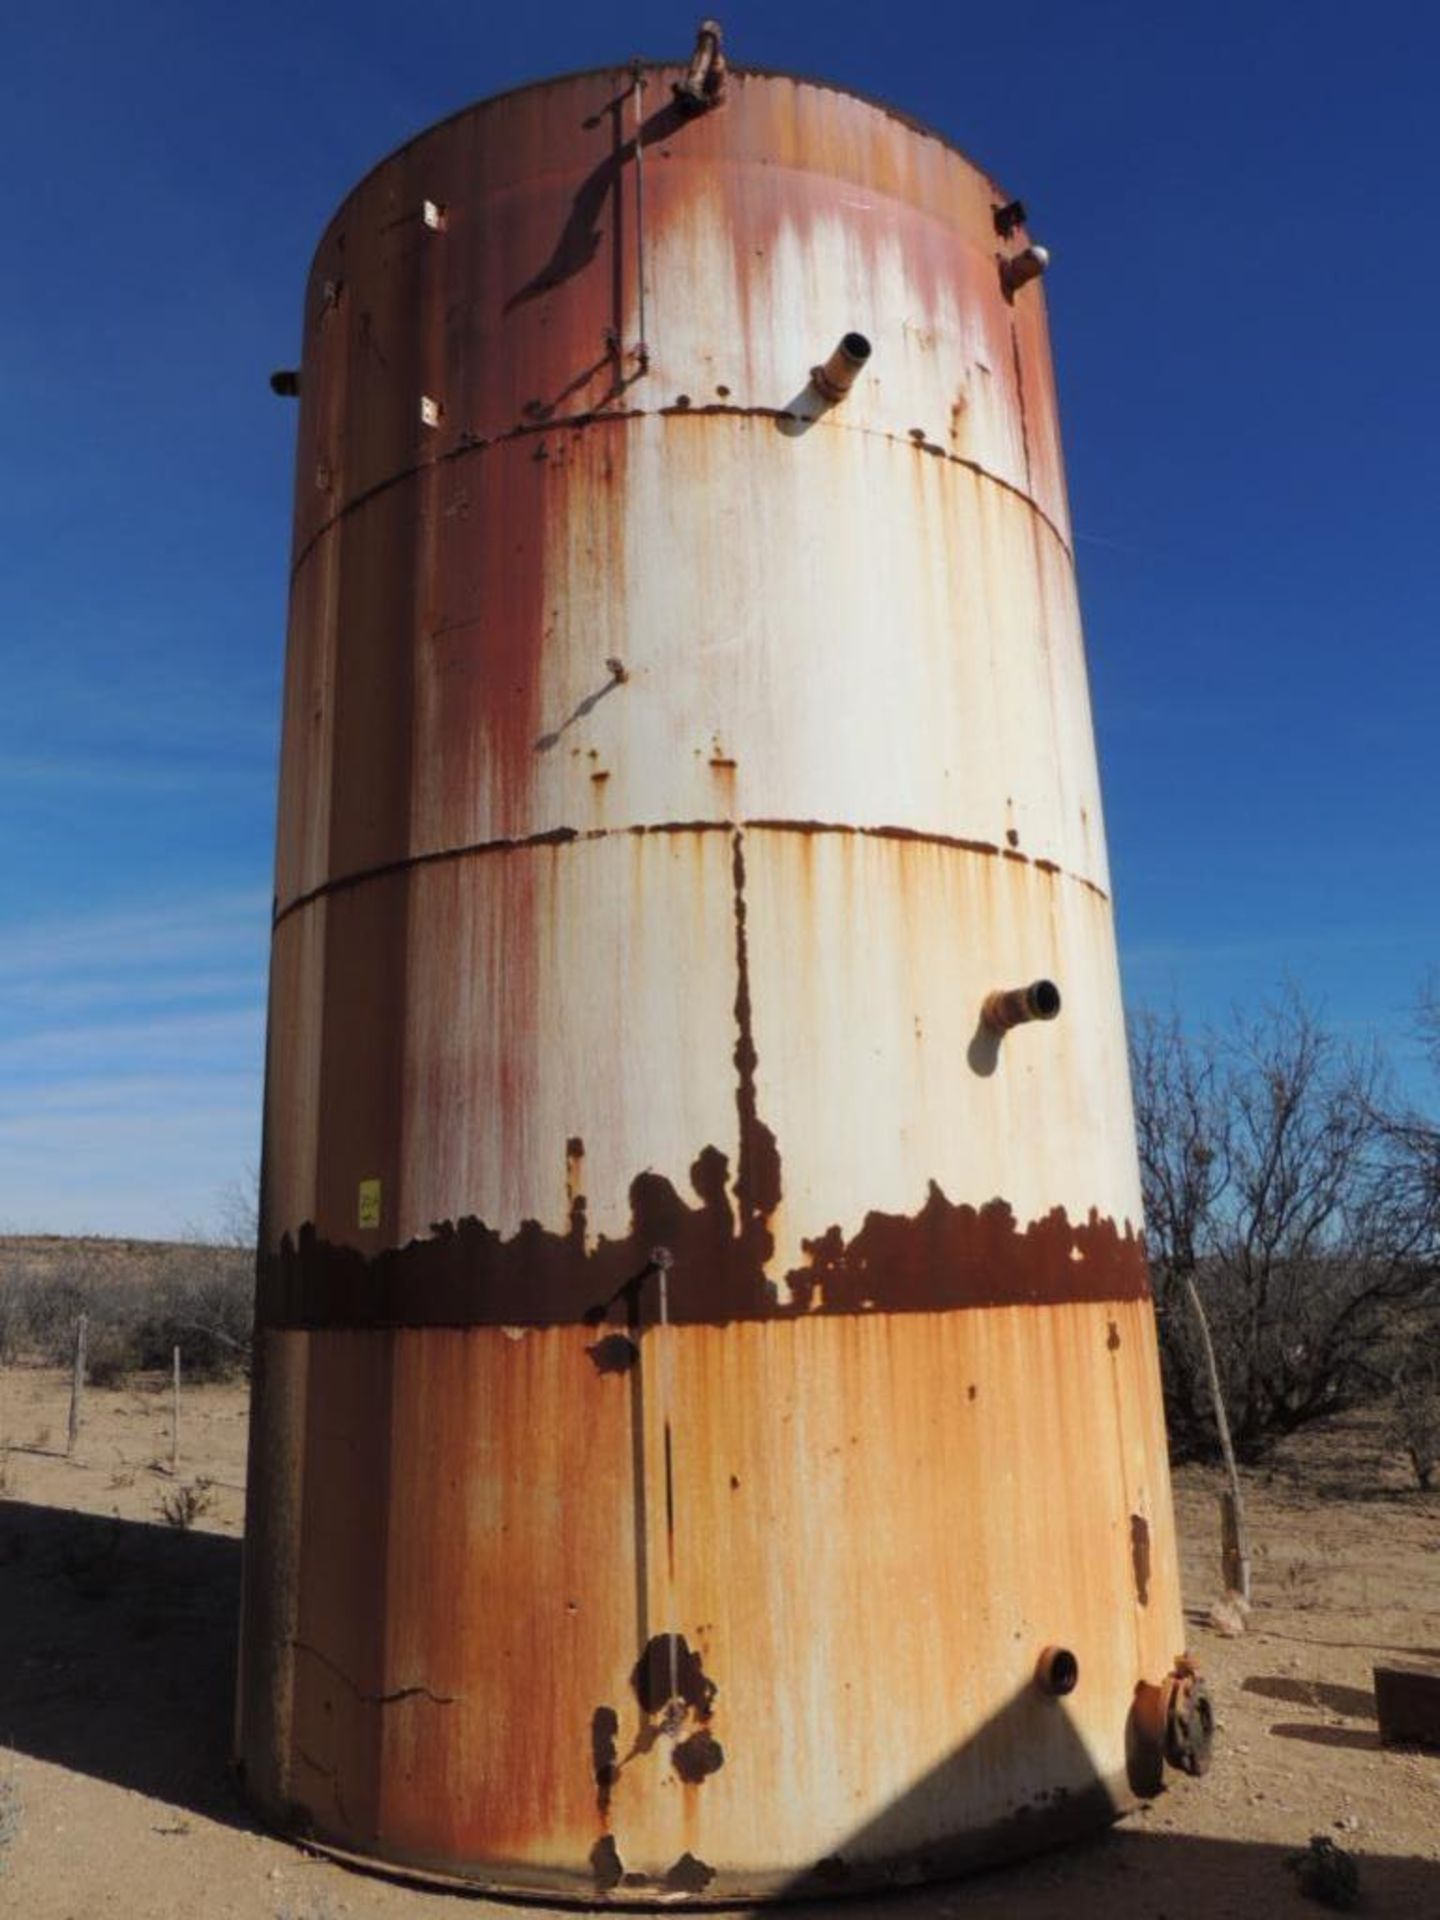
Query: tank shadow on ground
{"x": 119, "y": 1639}
{"x": 1130, "y": 1868}
{"x": 119, "y": 1652}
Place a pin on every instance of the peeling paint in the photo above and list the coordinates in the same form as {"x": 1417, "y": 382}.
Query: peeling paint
{"x": 943, "y": 1258}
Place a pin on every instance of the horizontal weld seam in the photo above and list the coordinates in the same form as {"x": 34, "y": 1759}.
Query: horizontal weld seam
{"x": 605, "y": 418}
{"x": 568, "y": 836}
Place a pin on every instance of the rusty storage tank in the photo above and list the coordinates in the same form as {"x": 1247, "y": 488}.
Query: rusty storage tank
{"x": 707, "y": 1437}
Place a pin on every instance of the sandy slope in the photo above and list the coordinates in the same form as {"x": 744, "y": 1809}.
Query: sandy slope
{"x": 116, "y": 1638}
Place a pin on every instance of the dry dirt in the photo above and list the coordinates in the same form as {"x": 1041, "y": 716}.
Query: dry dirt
{"x": 116, "y": 1650}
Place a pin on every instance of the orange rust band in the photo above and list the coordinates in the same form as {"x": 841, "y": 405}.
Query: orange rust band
{"x": 480, "y": 443}
{"x": 943, "y": 1258}
{"x": 566, "y": 836}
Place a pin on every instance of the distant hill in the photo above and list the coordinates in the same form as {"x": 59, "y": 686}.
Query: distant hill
{"x": 59, "y": 1256}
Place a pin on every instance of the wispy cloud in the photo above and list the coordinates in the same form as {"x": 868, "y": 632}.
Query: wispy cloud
{"x": 98, "y": 772}
{"x": 176, "y": 935}
{"x": 131, "y": 1059}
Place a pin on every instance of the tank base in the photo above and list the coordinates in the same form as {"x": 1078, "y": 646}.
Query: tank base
{"x": 1069, "y": 1817}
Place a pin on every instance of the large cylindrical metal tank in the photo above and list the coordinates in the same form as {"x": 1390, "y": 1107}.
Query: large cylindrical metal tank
{"x": 703, "y": 1363}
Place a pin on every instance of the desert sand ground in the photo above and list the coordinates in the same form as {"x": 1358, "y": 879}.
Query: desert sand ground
{"x": 116, "y": 1665}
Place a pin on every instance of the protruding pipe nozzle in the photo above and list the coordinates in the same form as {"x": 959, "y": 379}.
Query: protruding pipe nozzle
{"x": 1019, "y": 269}
{"x": 1057, "y": 1671}
{"x": 1013, "y": 1006}
{"x": 286, "y": 382}
{"x": 704, "y": 84}
{"x": 839, "y": 373}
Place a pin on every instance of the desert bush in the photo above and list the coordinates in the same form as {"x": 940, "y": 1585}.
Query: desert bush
{"x": 141, "y": 1301}
{"x": 183, "y": 1506}
{"x": 1276, "y": 1177}
{"x": 1414, "y": 1425}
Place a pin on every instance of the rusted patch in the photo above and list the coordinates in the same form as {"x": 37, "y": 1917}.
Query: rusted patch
{"x": 757, "y": 1179}
{"x": 689, "y": 1875}
{"x": 604, "y": 1761}
{"x": 696, "y": 1758}
{"x": 670, "y": 1673}
{"x": 606, "y": 1864}
{"x": 945, "y": 1257}
{"x": 949, "y": 1256}
{"x": 616, "y": 1353}
{"x": 1140, "y": 1556}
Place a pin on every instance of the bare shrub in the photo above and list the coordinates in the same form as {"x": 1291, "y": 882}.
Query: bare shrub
{"x": 1276, "y": 1178}
{"x": 183, "y": 1506}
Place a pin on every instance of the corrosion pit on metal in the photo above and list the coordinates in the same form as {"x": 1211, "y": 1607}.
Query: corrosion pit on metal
{"x": 689, "y": 1875}
{"x": 604, "y": 1755}
{"x": 605, "y": 1864}
{"x": 668, "y": 1672}
{"x": 697, "y": 1757}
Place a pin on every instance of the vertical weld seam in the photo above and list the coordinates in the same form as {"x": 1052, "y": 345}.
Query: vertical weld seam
{"x": 745, "y": 1056}
{"x": 618, "y": 144}
{"x": 1020, "y": 396}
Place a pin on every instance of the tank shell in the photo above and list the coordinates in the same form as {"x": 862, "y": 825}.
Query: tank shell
{"x": 700, "y": 1364}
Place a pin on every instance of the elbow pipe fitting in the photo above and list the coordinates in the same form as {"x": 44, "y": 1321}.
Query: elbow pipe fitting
{"x": 1172, "y": 1722}
{"x": 834, "y": 379}
{"x": 1021, "y": 268}
{"x": 1013, "y": 1006}
{"x": 1057, "y": 1672}
{"x": 704, "y": 84}
{"x": 1189, "y": 1720}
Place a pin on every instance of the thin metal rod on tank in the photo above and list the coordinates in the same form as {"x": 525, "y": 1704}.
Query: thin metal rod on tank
{"x": 663, "y": 1261}
{"x": 642, "y": 349}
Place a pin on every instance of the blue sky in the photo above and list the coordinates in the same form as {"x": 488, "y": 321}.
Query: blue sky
{"x": 1240, "y": 205}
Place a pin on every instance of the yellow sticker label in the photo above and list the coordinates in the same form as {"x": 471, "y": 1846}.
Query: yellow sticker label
{"x": 369, "y": 1203}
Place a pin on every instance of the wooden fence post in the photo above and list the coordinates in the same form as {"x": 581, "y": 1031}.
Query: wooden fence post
{"x": 1234, "y": 1535}
{"x": 77, "y": 1384}
{"x": 175, "y": 1418}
